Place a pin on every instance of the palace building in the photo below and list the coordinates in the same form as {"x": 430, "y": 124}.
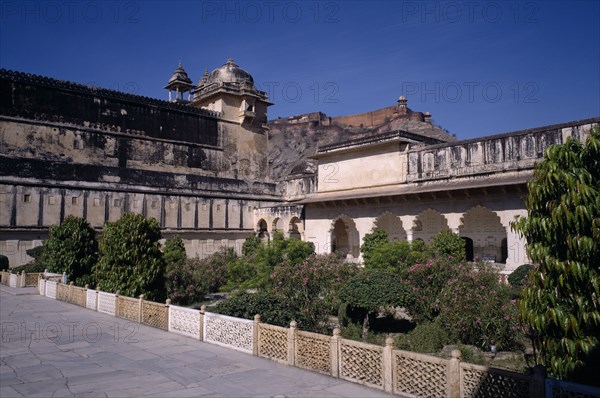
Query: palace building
{"x": 209, "y": 166}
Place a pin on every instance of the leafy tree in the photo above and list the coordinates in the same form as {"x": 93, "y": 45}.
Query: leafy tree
{"x": 130, "y": 258}
{"x": 371, "y": 241}
{"x": 372, "y": 290}
{"x": 447, "y": 244}
{"x": 562, "y": 229}
{"x": 174, "y": 252}
{"x": 4, "y": 264}
{"x": 72, "y": 248}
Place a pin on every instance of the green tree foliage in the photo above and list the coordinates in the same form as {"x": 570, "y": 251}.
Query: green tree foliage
{"x": 371, "y": 241}
{"x": 447, "y": 244}
{"x": 254, "y": 269}
{"x": 370, "y": 291}
{"x": 72, "y": 248}
{"x": 476, "y": 309}
{"x": 189, "y": 281}
{"x": 130, "y": 258}
{"x": 174, "y": 253}
{"x": 4, "y": 264}
{"x": 563, "y": 236}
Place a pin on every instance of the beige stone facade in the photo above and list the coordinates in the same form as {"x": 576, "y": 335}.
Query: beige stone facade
{"x": 212, "y": 169}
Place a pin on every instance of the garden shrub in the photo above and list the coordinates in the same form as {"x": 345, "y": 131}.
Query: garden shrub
{"x": 272, "y": 309}
{"x": 72, "y": 248}
{"x": 190, "y": 281}
{"x": 447, "y": 244}
{"x": 427, "y": 337}
{"x": 4, "y": 264}
{"x": 476, "y": 309}
{"x": 174, "y": 252}
{"x": 518, "y": 278}
{"x": 427, "y": 279}
{"x": 130, "y": 258}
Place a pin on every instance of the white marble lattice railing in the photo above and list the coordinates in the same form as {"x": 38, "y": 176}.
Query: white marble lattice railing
{"x": 51, "y": 289}
{"x": 185, "y": 321}
{"x": 107, "y": 303}
{"x": 227, "y": 331}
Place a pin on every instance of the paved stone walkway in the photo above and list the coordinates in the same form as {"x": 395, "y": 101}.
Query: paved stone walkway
{"x": 54, "y": 349}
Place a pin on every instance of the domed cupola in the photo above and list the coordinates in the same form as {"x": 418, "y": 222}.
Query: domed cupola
{"x": 230, "y": 91}
{"x": 180, "y": 82}
{"x": 230, "y": 72}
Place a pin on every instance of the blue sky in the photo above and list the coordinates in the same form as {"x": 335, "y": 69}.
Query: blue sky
{"x": 479, "y": 67}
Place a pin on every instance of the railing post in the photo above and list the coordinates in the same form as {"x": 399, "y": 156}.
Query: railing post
{"x": 334, "y": 353}
{"x": 255, "y": 334}
{"x": 387, "y": 365}
{"x": 64, "y": 278}
{"x": 23, "y": 279}
{"x": 453, "y": 386}
{"x": 168, "y": 304}
{"x": 202, "y": 320}
{"x": 69, "y": 299}
{"x": 141, "y": 308}
{"x": 291, "y": 346}
{"x": 117, "y": 303}
{"x": 97, "y": 298}
{"x": 537, "y": 384}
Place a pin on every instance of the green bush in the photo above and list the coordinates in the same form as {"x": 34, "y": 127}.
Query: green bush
{"x": 447, "y": 244}
{"x": 130, "y": 258}
{"x": 35, "y": 252}
{"x": 251, "y": 245}
{"x": 312, "y": 287}
{"x": 71, "y": 248}
{"x": 4, "y": 264}
{"x": 427, "y": 337}
{"x": 370, "y": 291}
{"x": 272, "y": 309}
{"x": 476, "y": 309}
{"x": 371, "y": 241}
{"x": 33, "y": 266}
{"x": 518, "y": 278}
{"x": 427, "y": 279}
{"x": 190, "y": 281}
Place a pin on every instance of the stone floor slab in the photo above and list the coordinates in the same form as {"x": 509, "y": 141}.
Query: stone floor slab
{"x": 84, "y": 353}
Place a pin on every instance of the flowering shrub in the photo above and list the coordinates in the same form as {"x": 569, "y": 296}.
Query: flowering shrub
{"x": 311, "y": 287}
{"x": 475, "y": 308}
{"x": 426, "y": 280}
{"x": 190, "y": 281}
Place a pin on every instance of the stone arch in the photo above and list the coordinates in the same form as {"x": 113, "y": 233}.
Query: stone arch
{"x": 483, "y": 226}
{"x": 428, "y": 224}
{"x": 344, "y": 237}
{"x": 392, "y": 225}
{"x": 295, "y": 228}
{"x": 277, "y": 225}
{"x": 262, "y": 229}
